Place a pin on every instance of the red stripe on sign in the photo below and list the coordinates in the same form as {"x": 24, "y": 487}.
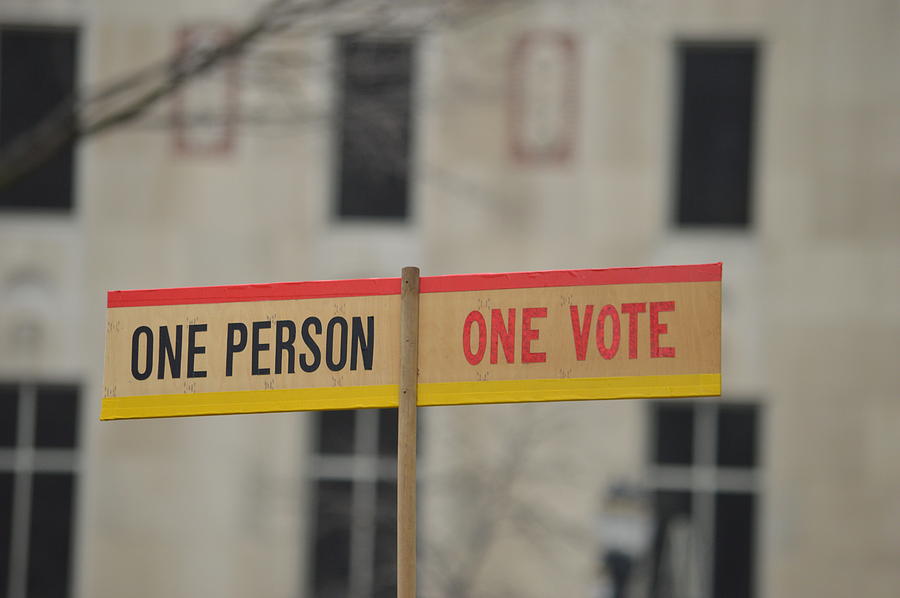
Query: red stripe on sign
{"x": 278, "y": 291}
{"x": 571, "y": 278}
{"x": 326, "y": 289}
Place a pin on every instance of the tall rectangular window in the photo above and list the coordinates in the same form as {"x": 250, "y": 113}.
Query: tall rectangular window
{"x": 37, "y": 73}
{"x": 374, "y": 121}
{"x": 355, "y": 504}
{"x": 716, "y": 133}
{"x": 703, "y": 486}
{"x": 38, "y": 474}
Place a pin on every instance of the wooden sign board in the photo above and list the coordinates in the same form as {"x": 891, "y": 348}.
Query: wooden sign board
{"x": 484, "y": 338}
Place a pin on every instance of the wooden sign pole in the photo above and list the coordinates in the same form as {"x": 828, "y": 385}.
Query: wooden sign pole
{"x": 406, "y": 433}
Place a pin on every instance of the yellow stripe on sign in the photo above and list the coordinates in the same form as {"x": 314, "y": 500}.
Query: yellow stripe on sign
{"x": 572, "y": 389}
{"x": 249, "y": 401}
{"x": 430, "y": 394}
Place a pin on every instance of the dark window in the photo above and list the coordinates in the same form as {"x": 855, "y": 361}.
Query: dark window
{"x": 736, "y": 441}
{"x": 694, "y": 511}
{"x": 715, "y": 150}
{"x": 6, "y": 503}
{"x": 355, "y": 487}
{"x": 37, "y": 70}
{"x": 50, "y": 538}
{"x": 387, "y": 432}
{"x": 374, "y": 127}
{"x": 334, "y": 501}
{"x": 384, "y": 584}
{"x": 9, "y": 412}
{"x": 56, "y": 417}
{"x": 674, "y": 434}
{"x": 36, "y": 501}
{"x": 734, "y": 541}
{"x": 336, "y": 432}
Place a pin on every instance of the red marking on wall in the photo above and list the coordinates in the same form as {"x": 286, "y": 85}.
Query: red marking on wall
{"x": 543, "y": 97}
{"x": 207, "y": 129}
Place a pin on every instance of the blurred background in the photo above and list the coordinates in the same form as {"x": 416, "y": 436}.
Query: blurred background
{"x": 201, "y": 142}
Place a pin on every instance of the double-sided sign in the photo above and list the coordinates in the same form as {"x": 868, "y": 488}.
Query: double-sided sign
{"x": 486, "y": 338}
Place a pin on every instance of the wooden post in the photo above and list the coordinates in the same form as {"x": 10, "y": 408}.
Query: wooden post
{"x": 406, "y": 433}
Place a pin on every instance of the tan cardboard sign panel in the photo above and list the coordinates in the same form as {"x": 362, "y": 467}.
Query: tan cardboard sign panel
{"x": 487, "y": 338}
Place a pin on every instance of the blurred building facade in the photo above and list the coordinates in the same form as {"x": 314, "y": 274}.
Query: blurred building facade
{"x": 540, "y": 135}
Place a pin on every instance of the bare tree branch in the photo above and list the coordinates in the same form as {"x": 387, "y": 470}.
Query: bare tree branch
{"x": 128, "y": 98}
{"x": 493, "y": 483}
{"x": 125, "y": 100}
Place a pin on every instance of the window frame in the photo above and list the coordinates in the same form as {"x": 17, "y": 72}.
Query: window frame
{"x": 24, "y": 460}
{"x": 364, "y": 468}
{"x": 703, "y": 480}
{"x": 226, "y": 75}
